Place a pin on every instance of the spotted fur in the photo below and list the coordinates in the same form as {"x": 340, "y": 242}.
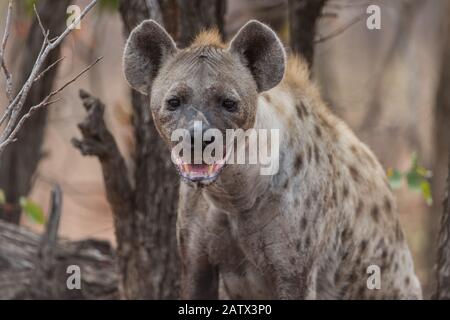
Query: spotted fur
{"x": 308, "y": 232}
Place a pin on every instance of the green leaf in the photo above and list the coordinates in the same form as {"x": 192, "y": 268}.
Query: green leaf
{"x": 395, "y": 178}
{"x": 33, "y": 210}
{"x": 426, "y": 192}
{"x": 2, "y": 197}
{"x": 424, "y": 172}
{"x": 414, "y": 180}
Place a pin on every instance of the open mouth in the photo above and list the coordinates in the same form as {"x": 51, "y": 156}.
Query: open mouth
{"x": 200, "y": 172}
{"x": 204, "y": 172}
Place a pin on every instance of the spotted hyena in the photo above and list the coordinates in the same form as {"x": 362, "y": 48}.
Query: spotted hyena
{"x": 309, "y": 231}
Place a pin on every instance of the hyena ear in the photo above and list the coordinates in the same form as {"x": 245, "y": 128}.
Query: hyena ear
{"x": 262, "y": 52}
{"x": 147, "y": 47}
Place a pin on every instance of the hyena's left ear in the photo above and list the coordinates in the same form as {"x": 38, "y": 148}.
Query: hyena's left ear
{"x": 147, "y": 47}
{"x": 262, "y": 52}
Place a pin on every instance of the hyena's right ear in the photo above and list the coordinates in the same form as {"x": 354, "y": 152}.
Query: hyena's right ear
{"x": 147, "y": 47}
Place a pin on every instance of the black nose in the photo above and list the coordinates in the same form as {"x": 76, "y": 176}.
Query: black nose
{"x": 204, "y": 142}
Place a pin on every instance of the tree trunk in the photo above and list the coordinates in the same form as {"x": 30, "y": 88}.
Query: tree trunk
{"x": 198, "y": 15}
{"x": 144, "y": 214}
{"x": 443, "y": 256}
{"x": 303, "y": 16}
{"x": 19, "y": 160}
{"x": 441, "y": 169}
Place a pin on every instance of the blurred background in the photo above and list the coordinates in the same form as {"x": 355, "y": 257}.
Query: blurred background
{"x": 389, "y": 85}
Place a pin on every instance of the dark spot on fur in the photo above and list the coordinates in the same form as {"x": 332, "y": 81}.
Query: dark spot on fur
{"x": 298, "y": 164}
{"x": 354, "y": 150}
{"x": 292, "y": 260}
{"x": 334, "y": 196}
{"x": 363, "y": 245}
{"x": 359, "y": 208}
{"x": 375, "y": 213}
{"x": 303, "y": 223}
{"x": 345, "y": 256}
{"x": 346, "y": 234}
{"x": 345, "y": 191}
{"x": 286, "y": 184}
{"x": 308, "y": 241}
{"x": 395, "y": 267}
{"x": 354, "y": 173}
{"x": 352, "y": 277}
{"x": 301, "y": 112}
{"x": 330, "y": 158}
{"x": 384, "y": 254}
{"x": 407, "y": 280}
{"x": 387, "y": 205}
{"x": 398, "y": 232}
{"x": 318, "y": 131}
{"x": 298, "y": 245}
{"x": 337, "y": 277}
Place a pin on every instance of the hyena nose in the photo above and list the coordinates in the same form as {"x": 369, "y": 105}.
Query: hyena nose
{"x": 200, "y": 139}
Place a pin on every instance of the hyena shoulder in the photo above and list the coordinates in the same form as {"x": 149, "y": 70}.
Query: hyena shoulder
{"x": 340, "y": 192}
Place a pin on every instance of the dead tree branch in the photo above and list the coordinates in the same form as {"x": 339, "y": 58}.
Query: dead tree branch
{"x": 12, "y": 112}
{"x": 35, "y": 267}
{"x": 98, "y": 141}
{"x": 19, "y": 258}
{"x": 44, "y": 103}
{"x": 9, "y": 90}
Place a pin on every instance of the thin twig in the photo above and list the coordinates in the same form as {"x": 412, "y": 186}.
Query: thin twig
{"x": 45, "y": 102}
{"x": 14, "y": 108}
{"x": 48, "y": 68}
{"x": 340, "y": 30}
{"x": 44, "y": 33}
{"x": 9, "y": 90}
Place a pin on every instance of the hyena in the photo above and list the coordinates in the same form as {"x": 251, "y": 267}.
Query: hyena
{"x": 311, "y": 230}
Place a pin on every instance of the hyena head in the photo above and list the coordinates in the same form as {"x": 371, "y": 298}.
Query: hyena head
{"x": 206, "y": 86}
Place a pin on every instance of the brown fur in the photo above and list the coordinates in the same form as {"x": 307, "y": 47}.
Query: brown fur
{"x": 208, "y": 38}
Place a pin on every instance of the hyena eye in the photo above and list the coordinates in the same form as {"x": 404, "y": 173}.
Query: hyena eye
{"x": 229, "y": 105}
{"x": 173, "y": 104}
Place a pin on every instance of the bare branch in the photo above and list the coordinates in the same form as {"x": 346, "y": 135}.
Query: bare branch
{"x": 48, "y": 68}
{"x": 44, "y": 103}
{"x": 12, "y": 111}
{"x": 9, "y": 92}
{"x": 44, "y": 33}
{"x": 340, "y": 30}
